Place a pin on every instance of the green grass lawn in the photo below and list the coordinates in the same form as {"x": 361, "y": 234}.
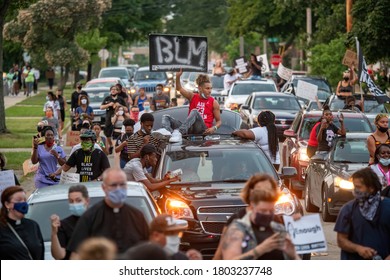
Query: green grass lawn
{"x": 15, "y": 159}
{"x": 25, "y": 111}
{"x": 16, "y": 140}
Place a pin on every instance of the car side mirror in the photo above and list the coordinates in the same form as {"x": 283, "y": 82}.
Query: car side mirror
{"x": 245, "y": 107}
{"x": 319, "y": 158}
{"x": 288, "y": 172}
{"x": 289, "y": 133}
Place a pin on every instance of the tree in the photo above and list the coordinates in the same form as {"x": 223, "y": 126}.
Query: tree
{"x": 47, "y": 30}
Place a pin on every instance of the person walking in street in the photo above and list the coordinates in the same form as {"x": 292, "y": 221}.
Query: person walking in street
{"x": 29, "y": 80}
{"x": 89, "y": 162}
{"x": 53, "y": 123}
{"x": 83, "y": 112}
{"x": 123, "y": 141}
{"x": 50, "y": 75}
{"x": 62, "y": 101}
{"x": 51, "y": 101}
{"x": 62, "y": 230}
{"x": 20, "y": 238}
{"x": 110, "y": 103}
{"x": 74, "y": 102}
{"x": 265, "y": 136}
{"x": 363, "y": 224}
{"x": 37, "y": 75}
{"x": 121, "y": 114}
{"x": 381, "y": 164}
{"x": 380, "y": 136}
{"x": 140, "y": 99}
{"x": 136, "y": 168}
{"x": 160, "y": 100}
{"x": 112, "y": 217}
{"x": 100, "y": 140}
{"x": 49, "y": 155}
{"x": 203, "y": 110}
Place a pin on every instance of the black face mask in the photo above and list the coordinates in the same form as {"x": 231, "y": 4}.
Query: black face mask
{"x": 345, "y": 79}
{"x": 78, "y": 88}
{"x": 382, "y": 129}
{"x": 39, "y": 128}
{"x": 263, "y": 220}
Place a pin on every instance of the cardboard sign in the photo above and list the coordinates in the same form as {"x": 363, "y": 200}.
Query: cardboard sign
{"x": 264, "y": 59}
{"x": 69, "y": 178}
{"x": 7, "y": 179}
{"x": 72, "y": 138}
{"x": 306, "y": 233}
{"x": 350, "y": 58}
{"x": 172, "y": 52}
{"x": 284, "y": 72}
{"x": 29, "y": 167}
{"x": 241, "y": 65}
{"x": 306, "y": 90}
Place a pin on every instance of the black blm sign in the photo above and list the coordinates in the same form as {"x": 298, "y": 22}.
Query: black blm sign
{"x": 172, "y": 52}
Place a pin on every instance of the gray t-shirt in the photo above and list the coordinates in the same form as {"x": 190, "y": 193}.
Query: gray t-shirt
{"x": 134, "y": 170}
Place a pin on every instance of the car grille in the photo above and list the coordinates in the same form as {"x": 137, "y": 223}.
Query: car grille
{"x": 99, "y": 112}
{"x": 213, "y": 218}
{"x": 150, "y": 89}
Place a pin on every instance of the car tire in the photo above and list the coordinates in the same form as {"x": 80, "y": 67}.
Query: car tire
{"x": 309, "y": 207}
{"x": 326, "y": 217}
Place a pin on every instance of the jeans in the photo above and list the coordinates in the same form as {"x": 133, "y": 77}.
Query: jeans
{"x": 193, "y": 124}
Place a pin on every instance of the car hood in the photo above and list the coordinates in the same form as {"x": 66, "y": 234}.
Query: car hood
{"x": 279, "y": 114}
{"x": 149, "y": 83}
{"x": 345, "y": 170}
{"x": 239, "y": 99}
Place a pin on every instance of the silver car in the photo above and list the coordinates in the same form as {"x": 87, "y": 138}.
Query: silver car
{"x": 54, "y": 200}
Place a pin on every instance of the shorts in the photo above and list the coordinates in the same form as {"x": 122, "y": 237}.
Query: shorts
{"x": 108, "y": 129}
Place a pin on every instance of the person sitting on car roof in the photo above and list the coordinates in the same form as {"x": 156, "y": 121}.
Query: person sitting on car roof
{"x": 202, "y": 112}
{"x": 345, "y": 86}
{"x": 350, "y": 104}
{"x": 135, "y": 169}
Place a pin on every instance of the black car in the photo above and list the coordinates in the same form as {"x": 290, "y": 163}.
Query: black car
{"x": 371, "y": 105}
{"x": 327, "y": 185}
{"x": 284, "y": 106}
{"x": 324, "y": 88}
{"x": 214, "y": 172}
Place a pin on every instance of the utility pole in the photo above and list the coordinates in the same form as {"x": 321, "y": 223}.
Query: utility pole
{"x": 241, "y": 45}
{"x": 349, "y": 14}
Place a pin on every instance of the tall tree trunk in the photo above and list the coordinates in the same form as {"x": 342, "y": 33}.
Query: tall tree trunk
{"x": 89, "y": 71}
{"x": 3, "y": 10}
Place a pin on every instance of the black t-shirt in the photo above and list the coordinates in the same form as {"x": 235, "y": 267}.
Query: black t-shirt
{"x": 61, "y": 101}
{"x": 12, "y": 248}
{"x": 261, "y": 235}
{"x": 89, "y": 165}
{"x": 123, "y": 155}
{"x": 75, "y": 98}
{"x": 255, "y": 71}
{"x": 126, "y": 228}
{"x": 110, "y": 110}
{"x": 65, "y": 232}
{"x": 328, "y": 136}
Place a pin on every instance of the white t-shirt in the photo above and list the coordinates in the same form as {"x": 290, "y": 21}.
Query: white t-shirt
{"x": 228, "y": 78}
{"x": 55, "y": 105}
{"x": 261, "y": 138}
{"x": 134, "y": 170}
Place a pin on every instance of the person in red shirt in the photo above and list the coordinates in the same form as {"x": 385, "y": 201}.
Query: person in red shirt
{"x": 202, "y": 112}
{"x": 312, "y": 144}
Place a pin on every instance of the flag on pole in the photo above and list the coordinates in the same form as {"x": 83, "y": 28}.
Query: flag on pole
{"x": 364, "y": 77}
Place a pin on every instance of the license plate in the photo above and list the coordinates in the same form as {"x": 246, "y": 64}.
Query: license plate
{"x": 97, "y": 119}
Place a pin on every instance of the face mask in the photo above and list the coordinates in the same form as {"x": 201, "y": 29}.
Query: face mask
{"x": 86, "y": 146}
{"x": 382, "y": 129}
{"x": 49, "y": 142}
{"x": 118, "y": 196}
{"x": 203, "y": 95}
{"x": 77, "y": 209}
{"x": 385, "y": 161}
{"x": 360, "y": 196}
{"x": 345, "y": 79}
{"x": 128, "y": 134}
{"x": 173, "y": 243}
{"x": 49, "y": 114}
{"x": 120, "y": 113}
{"x": 78, "y": 88}
{"x": 159, "y": 91}
{"x": 147, "y": 108}
{"x": 21, "y": 207}
{"x": 47, "y": 98}
{"x": 263, "y": 220}
{"x": 84, "y": 101}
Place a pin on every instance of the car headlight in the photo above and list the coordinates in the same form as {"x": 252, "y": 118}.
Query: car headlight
{"x": 302, "y": 154}
{"x": 166, "y": 89}
{"x": 285, "y": 204}
{"x": 133, "y": 91}
{"x": 178, "y": 209}
{"x": 343, "y": 184}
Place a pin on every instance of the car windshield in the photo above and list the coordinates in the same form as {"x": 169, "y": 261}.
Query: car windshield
{"x": 351, "y": 151}
{"x": 218, "y": 164}
{"x": 247, "y": 89}
{"x": 121, "y": 73}
{"x": 370, "y": 106}
{"x": 217, "y": 82}
{"x": 100, "y": 84}
{"x": 351, "y": 125}
{"x": 276, "y": 103}
{"x": 97, "y": 96}
{"x": 41, "y": 212}
{"x": 147, "y": 75}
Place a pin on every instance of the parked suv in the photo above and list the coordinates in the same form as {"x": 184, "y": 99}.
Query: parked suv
{"x": 118, "y": 71}
{"x": 148, "y": 80}
{"x": 293, "y": 151}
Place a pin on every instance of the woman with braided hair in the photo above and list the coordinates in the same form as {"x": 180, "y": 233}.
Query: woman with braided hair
{"x": 265, "y": 136}
{"x": 202, "y": 112}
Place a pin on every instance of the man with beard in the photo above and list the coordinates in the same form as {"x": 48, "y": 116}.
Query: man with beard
{"x": 90, "y": 162}
{"x": 363, "y": 224}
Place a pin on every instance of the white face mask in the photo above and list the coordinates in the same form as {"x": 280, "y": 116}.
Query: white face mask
{"x": 159, "y": 91}
{"x": 83, "y": 101}
{"x": 120, "y": 113}
{"x": 173, "y": 243}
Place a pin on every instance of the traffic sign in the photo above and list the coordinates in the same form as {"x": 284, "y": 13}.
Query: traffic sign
{"x": 276, "y": 59}
{"x": 103, "y": 54}
{"x": 273, "y": 40}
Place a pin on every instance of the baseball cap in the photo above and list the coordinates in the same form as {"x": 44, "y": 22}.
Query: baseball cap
{"x": 166, "y": 223}
{"x": 148, "y": 149}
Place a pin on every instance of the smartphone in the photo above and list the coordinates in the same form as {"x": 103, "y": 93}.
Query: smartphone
{"x": 279, "y": 228}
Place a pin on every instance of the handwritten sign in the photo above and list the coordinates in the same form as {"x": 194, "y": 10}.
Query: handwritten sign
{"x": 69, "y": 178}
{"x": 172, "y": 52}
{"x": 7, "y": 179}
{"x": 264, "y": 59}
{"x": 72, "y": 138}
{"x": 284, "y": 73}
{"x": 241, "y": 65}
{"x": 29, "y": 167}
{"x": 306, "y": 90}
{"x": 306, "y": 233}
{"x": 350, "y": 58}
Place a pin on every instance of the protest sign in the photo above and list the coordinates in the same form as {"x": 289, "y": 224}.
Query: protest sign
{"x": 307, "y": 233}
{"x": 306, "y": 90}
{"x": 72, "y": 138}
{"x": 284, "y": 72}
{"x": 28, "y": 167}
{"x": 69, "y": 177}
{"x": 175, "y": 52}
{"x": 350, "y": 58}
{"x": 264, "y": 59}
{"x": 241, "y": 65}
{"x": 7, "y": 179}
